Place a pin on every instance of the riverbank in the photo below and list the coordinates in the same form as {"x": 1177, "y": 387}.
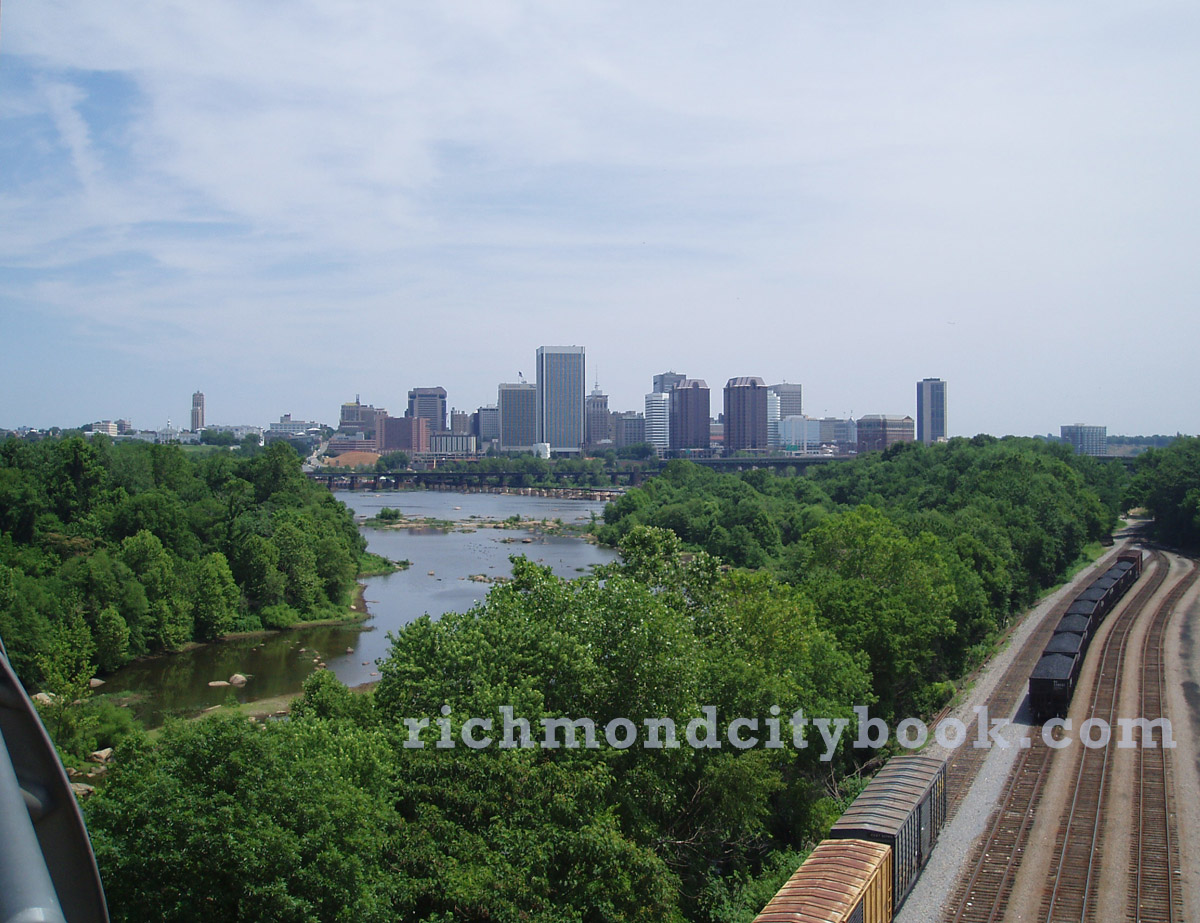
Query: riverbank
{"x": 270, "y": 707}
{"x": 450, "y": 570}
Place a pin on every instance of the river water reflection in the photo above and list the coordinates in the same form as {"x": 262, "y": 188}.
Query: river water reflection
{"x": 277, "y": 665}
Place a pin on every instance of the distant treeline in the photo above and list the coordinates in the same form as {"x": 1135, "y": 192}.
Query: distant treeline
{"x": 111, "y": 551}
{"x": 1156, "y": 440}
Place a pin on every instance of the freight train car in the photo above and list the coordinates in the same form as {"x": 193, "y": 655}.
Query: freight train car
{"x": 903, "y": 807}
{"x": 876, "y": 850}
{"x": 1052, "y": 683}
{"x": 874, "y": 853}
{"x": 1076, "y": 625}
{"x": 842, "y": 881}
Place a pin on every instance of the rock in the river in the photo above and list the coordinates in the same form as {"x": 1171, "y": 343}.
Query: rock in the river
{"x": 95, "y": 683}
{"x": 238, "y": 679}
{"x": 218, "y": 682}
{"x": 82, "y": 790}
{"x": 100, "y": 756}
{"x": 43, "y": 698}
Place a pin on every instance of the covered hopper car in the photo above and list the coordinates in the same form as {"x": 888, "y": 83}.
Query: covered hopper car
{"x": 1052, "y": 683}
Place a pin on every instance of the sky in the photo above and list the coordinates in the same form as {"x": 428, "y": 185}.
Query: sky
{"x": 285, "y": 205}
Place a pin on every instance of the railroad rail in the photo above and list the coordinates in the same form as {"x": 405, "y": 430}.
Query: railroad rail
{"x": 1155, "y": 893}
{"x": 965, "y": 762}
{"x": 983, "y": 894}
{"x": 1071, "y": 887}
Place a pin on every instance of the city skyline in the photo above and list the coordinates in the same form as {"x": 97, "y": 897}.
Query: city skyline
{"x": 847, "y": 198}
{"x": 530, "y": 388}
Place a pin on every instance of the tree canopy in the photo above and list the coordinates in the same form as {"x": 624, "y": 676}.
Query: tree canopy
{"x": 335, "y": 815}
{"x": 150, "y": 548}
{"x": 1167, "y": 483}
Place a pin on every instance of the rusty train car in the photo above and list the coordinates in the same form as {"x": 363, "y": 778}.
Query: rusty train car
{"x": 874, "y": 852}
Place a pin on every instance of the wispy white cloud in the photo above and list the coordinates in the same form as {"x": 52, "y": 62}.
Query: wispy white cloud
{"x": 850, "y": 196}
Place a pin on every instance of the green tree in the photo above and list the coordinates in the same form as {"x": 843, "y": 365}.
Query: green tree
{"x": 1167, "y": 484}
{"x": 111, "y": 639}
{"x": 298, "y": 564}
{"x": 169, "y": 613}
{"x": 66, "y": 664}
{"x": 392, "y": 461}
{"x": 215, "y": 597}
{"x": 255, "y": 564}
{"x": 883, "y": 593}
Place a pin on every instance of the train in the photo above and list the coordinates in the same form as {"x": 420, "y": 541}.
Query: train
{"x": 864, "y": 870}
{"x": 875, "y": 851}
{"x": 1053, "y": 681}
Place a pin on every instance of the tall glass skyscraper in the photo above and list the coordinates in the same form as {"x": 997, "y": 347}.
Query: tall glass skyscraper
{"x": 658, "y": 421}
{"x": 931, "y": 410}
{"x": 561, "y": 378}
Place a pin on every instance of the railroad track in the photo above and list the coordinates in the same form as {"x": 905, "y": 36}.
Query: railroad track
{"x": 983, "y": 894}
{"x": 1071, "y": 891}
{"x": 964, "y": 764}
{"x": 1155, "y": 892}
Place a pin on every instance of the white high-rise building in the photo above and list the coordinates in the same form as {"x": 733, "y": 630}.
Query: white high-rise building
{"x": 658, "y": 421}
{"x": 800, "y": 434}
{"x": 1087, "y": 440}
{"x": 773, "y": 419}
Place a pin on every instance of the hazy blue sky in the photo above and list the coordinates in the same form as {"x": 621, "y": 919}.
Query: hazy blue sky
{"x": 286, "y": 204}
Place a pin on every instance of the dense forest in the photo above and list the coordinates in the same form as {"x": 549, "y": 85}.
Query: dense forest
{"x": 108, "y": 552}
{"x": 915, "y": 556}
{"x": 329, "y": 816}
{"x": 869, "y": 583}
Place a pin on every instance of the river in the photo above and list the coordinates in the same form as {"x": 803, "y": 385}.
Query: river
{"x": 177, "y": 684}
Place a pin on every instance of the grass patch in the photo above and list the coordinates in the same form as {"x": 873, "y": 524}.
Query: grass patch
{"x": 375, "y": 565}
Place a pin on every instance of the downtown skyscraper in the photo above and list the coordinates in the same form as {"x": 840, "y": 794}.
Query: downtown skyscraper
{"x": 745, "y": 414}
{"x": 561, "y": 389}
{"x": 931, "y": 410}
{"x": 197, "y": 411}
{"x": 689, "y": 424}
{"x": 516, "y": 413}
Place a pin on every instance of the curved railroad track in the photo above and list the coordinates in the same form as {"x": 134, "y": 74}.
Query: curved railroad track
{"x": 984, "y": 891}
{"x": 1154, "y": 869}
{"x": 1072, "y": 886}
